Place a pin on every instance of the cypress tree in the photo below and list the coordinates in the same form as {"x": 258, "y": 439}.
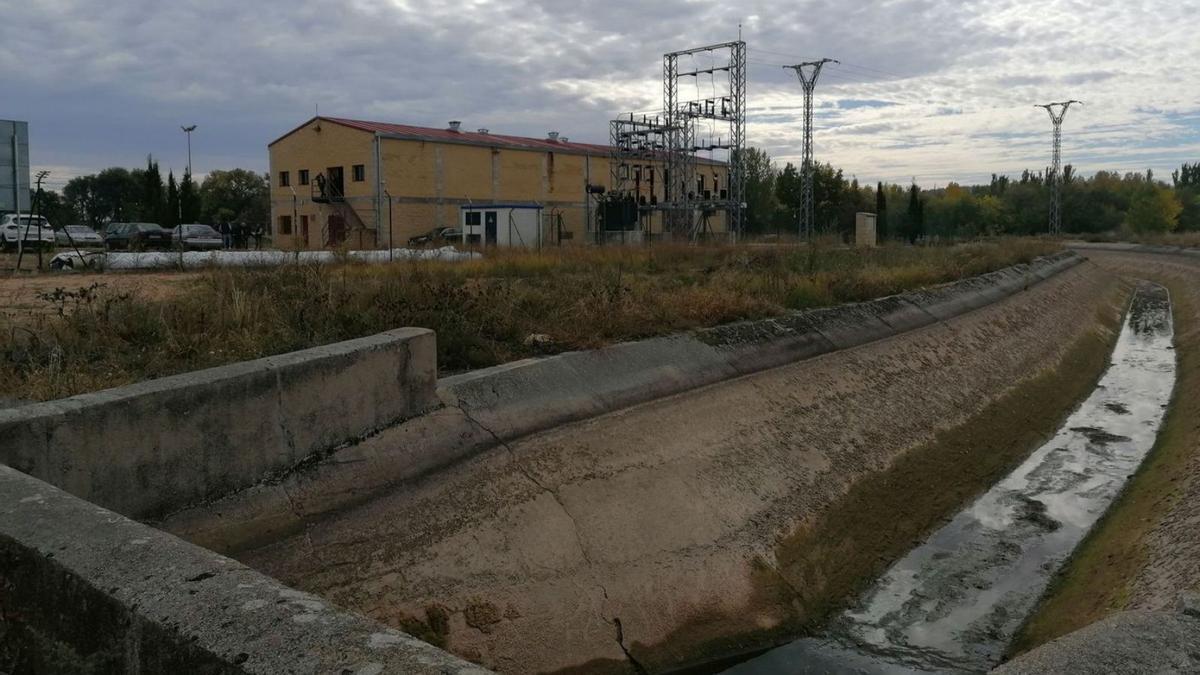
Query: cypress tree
{"x": 171, "y": 214}
{"x": 881, "y": 225}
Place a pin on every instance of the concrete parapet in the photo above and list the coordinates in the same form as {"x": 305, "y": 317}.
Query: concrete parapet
{"x": 86, "y": 590}
{"x": 151, "y": 447}
{"x": 528, "y": 396}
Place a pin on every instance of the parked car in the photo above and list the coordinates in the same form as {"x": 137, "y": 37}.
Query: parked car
{"x": 438, "y": 235}
{"x": 81, "y": 236}
{"x": 34, "y": 231}
{"x": 196, "y": 237}
{"x": 136, "y": 237}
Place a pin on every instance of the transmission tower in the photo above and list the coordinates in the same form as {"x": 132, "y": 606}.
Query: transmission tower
{"x": 808, "y": 72}
{"x": 723, "y": 109}
{"x": 1057, "y": 112}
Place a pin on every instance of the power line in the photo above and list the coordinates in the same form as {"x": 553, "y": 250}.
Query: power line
{"x": 844, "y": 64}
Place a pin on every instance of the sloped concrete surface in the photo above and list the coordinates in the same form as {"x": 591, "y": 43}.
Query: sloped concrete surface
{"x": 1164, "y": 641}
{"x": 83, "y": 589}
{"x": 618, "y": 543}
{"x": 501, "y": 404}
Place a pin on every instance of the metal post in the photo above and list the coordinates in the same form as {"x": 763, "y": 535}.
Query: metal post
{"x": 808, "y": 80}
{"x": 295, "y": 223}
{"x": 16, "y": 153}
{"x": 35, "y": 208}
{"x": 188, "y": 130}
{"x": 379, "y": 189}
{"x": 390, "y": 235}
{"x": 1057, "y": 112}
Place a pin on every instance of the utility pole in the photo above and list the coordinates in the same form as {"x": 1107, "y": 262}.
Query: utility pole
{"x": 188, "y": 130}
{"x": 35, "y": 215}
{"x": 808, "y": 72}
{"x": 1057, "y": 112}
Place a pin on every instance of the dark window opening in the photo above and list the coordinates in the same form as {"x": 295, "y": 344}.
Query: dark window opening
{"x": 303, "y": 176}
{"x": 285, "y": 179}
{"x": 285, "y": 224}
{"x": 359, "y": 172}
{"x": 473, "y": 218}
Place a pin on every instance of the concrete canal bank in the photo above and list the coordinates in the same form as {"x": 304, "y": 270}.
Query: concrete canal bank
{"x": 954, "y": 602}
{"x": 717, "y": 520}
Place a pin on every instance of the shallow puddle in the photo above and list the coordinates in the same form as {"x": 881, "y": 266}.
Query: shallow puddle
{"x": 955, "y": 602}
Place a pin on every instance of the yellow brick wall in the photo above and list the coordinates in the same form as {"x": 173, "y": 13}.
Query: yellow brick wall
{"x": 429, "y": 181}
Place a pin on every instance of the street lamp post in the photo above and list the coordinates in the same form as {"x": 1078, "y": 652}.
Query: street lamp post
{"x": 188, "y": 130}
{"x": 179, "y": 225}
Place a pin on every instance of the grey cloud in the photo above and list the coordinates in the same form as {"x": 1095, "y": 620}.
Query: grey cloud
{"x": 108, "y": 83}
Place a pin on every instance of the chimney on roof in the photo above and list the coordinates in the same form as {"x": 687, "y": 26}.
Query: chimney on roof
{"x": 483, "y": 130}
{"x": 552, "y": 136}
{"x": 455, "y": 126}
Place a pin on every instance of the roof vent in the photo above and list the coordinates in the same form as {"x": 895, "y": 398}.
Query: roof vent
{"x": 563, "y": 139}
{"x": 483, "y": 131}
{"x": 552, "y": 136}
{"x": 455, "y": 125}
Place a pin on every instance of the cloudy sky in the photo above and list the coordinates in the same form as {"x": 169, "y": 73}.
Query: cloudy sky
{"x": 935, "y": 90}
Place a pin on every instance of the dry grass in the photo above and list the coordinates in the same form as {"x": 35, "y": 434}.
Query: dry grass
{"x": 484, "y": 311}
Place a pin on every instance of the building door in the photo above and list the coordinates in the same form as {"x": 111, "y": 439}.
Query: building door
{"x": 489, "y": 228}
{"x": 335, "y": 185}
{"x": 337, "y": 229}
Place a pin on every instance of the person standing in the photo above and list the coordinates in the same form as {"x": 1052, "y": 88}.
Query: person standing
{"x": 257, "y": 233}
{"x": 226, "y": 239}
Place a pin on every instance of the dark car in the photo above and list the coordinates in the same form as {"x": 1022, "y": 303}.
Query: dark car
{"x": 136, "y": 237}
{"x": 438, "y": 235}
{"x": 197, "y": 237}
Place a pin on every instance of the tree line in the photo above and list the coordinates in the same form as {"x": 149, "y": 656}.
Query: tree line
{"x": 117, "y": 194}
{"x": 1106, "y": 202}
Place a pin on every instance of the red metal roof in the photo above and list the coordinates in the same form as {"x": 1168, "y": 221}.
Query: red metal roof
{"x": 471, "y": 137}
{"x": 431, "y": 134}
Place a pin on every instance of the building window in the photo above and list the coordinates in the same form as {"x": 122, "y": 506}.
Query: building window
{"x": 285, "y": 179}
{"x": 304, "y": 176}
{"x": 360, "y": 173}
{"x": 285, "y": 224}
{"x": 472, "y": 218}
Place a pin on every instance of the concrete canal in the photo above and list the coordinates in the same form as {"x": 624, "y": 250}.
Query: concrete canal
{"x": 955, "y": 602}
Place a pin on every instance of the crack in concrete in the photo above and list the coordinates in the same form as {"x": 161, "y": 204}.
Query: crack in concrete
{"x": 637, "y": 666}
{"x": 524, "y": 471}
{"x": 615, "y": 621}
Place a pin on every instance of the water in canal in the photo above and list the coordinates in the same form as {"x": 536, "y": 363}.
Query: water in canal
{"x": 955, "y": 602}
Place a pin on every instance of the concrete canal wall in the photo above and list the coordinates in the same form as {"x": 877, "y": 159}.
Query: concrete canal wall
{"x": 698, "y": 524}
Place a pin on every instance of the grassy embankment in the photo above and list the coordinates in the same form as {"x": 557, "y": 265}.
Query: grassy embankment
{"x": 1096, "y": 580}
{"x": 484, "y": 311}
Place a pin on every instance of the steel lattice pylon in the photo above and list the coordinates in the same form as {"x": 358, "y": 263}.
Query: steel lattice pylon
{"x": 808, "y": 72}
{"x": 1057, "y": 112}
{"x": 727, "y": 107}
